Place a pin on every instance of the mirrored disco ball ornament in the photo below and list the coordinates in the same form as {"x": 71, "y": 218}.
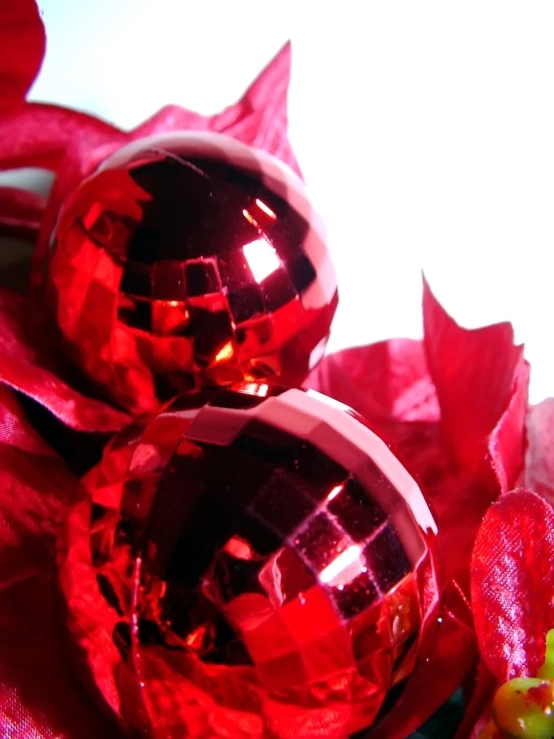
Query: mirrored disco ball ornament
{"x": 254, "y": 563}
{"x": 190, "y": 260}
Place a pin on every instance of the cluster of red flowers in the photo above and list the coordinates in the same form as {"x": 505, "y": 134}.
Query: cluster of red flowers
{"x": 453, "y": 407}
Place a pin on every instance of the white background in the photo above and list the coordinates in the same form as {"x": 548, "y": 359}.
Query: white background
{"x": 425, "y": 131}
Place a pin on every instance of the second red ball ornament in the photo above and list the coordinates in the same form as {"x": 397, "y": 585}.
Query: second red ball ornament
{"x": 252, "y": 562}
{"x": 190, "y": 260}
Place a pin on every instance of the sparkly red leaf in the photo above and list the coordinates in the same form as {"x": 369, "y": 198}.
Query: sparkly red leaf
{"x": 512, "y": 578}
{"x": 26, "y": 366}
{"x": 23, "y": 43}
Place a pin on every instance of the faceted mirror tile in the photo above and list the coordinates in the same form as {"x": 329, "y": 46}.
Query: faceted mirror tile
{"x": 358, "y": 513}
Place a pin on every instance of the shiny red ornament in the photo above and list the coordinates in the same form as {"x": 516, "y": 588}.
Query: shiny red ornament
{"x": 251, "y": 562}
{"x": 190, "y": 260}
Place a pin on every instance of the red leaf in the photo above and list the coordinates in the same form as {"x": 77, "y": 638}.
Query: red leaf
{"x": 539, "y": 458}
{"x": 267, "y": 99}
{"x": 381, "y": 381}
{"x": 25, "y": 365}
{"x": 20, "y": 212}
{"x": 259, "y": 118}
{"x": 23, "y": 43}
{"x": 37, "y": 135}
{"x": 473, "y": 372}
{"x": 507, "y": 441}
{"x": 478, "y": 703}
{"x": 39, "y": 696}
{"x": 512, "y": 581}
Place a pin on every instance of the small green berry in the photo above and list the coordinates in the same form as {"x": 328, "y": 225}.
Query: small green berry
{"x": 523, "y": 707}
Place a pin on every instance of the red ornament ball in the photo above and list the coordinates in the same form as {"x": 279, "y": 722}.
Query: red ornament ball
{"x": 251, "y": 562}
{"x": 190, "y": 260}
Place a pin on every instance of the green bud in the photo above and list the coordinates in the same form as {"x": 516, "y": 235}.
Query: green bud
{"x": 523, "y": 707}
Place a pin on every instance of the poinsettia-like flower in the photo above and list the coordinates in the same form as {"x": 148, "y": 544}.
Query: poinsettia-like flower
{"x": 452, "y": 408}
{"x": 464, "y": 447}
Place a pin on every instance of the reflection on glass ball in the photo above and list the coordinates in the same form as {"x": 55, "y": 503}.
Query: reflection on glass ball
{"x": 186, "y": 261}
{"x": 254, "y": 561}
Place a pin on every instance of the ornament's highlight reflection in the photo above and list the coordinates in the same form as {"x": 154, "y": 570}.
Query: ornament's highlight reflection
{"x": 262, "y": 259}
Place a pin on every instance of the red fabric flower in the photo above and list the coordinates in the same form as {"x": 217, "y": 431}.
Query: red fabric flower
{"x": 392, "y": 385}
{"x": 452, "y": 407}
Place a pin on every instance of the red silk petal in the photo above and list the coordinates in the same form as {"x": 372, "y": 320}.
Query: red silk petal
{"x": 460, "y": 501}
{"x": 507, "y": 442}
{"x": 539, "y": 458}
{"x": 512, "y": 579}
{"x": 473, "y": 372}
{"x": 384, "y": 380}
{"x": 23, "y": 42}
{"x": 13, "y": 430}
{"x": 259, "y": 118}
{"x": 39, "y": 696}
{"x": 37, "y": 135}
{"x": 20, "y": 212}
{"x": 478, "y": 704}
{"x": 26, "y": 367}
{"x": 267, "y": 99}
